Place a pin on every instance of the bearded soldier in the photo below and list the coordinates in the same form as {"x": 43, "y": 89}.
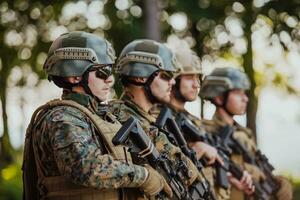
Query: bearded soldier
{"x": 68, "y": 149}
{"x": 226, "y": 89}
{"x": 146, "y": 69}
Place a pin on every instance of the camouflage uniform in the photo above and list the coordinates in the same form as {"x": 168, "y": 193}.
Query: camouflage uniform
{"x": 125, "y": 108}
{"x": 65, "y": 154}
{"x": 145, "y": 59}
{"x": 209, "y": 171}
{"x": 68, "y": 145}
{"x": 242, "y": 134}
{"x": 190, "y": 64}
{"x": 219, "y": 83}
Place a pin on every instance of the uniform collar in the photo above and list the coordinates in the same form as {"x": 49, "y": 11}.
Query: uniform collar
{"x": 177, "y": 110}
{"x": 130, "y": 103}
{"x": 219, "y": 120}
{"x": 86, "y": 101}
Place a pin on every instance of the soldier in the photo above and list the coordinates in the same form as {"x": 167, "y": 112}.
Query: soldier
{"x": 68, "y": 151}
{"x": 146, "y": 69}
{"x": 225, "y": 88}
{"x": 185, "y": 90}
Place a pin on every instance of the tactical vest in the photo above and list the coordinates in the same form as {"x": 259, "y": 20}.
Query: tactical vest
{"x": 58, "y": 187}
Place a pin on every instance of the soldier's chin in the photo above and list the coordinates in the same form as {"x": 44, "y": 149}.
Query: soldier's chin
{"x": 192, "y": 97}
{"x": 165, "y": 100}
{"x": 103, "y": 97}
{"x": 242, "y": 112}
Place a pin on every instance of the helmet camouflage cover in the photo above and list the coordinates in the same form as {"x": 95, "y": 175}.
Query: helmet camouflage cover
{"x": 141, "y": 58}
{"x": 189, "y": 62}
{"x": 71, "y": 54}
{"x": 222, "y": 80}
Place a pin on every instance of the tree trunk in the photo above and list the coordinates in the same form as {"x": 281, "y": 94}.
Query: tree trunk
{"x": 152, "y": 22}
{"x": 252, "y": 104}
{"x": 249, "y": 19}
{"x": 5, "y": 145}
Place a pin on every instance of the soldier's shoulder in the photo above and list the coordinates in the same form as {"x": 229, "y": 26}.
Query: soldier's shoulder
{"x": 155, "y": 110}
{"x": 244, "y": 130}
{"x": 66, "y": 114}
{"x": 61, "y": 126}
{"x": 196, "y": 120}
{"x": 119, "y": 110}
{"x": 210, "y": 125}
{"x": 208, "y": 122}
{"x": 114, "y": 106}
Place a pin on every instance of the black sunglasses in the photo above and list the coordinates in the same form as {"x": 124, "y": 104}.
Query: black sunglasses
{"x": 102, "y": 71}
{"x": 166, "y": 75}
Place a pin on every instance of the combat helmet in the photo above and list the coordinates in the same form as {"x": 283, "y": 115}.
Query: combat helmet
{"x": 141, "y": 58}
{"x": 189, "y": 62}
{"x": 222, "y": 80}
{"x": 71, "y": 54}
{"x": 144, "y": 59}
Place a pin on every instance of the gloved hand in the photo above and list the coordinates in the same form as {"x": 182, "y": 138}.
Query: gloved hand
{"x": 255, "y": 172}
{"x": 155, "y": 183}
{"x": 285, "y": 191}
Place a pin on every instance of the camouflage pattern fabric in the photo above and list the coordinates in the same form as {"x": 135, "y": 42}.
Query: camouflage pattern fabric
{"x": 68, "y": 145}
{"x": 243, "y": 135}
{"x": 209, "y": 172}
{"x": 125, "y": 108}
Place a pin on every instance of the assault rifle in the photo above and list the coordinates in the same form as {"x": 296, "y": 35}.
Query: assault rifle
{"x": 166, "y": 123}
{"x": 192, "y": 133}
{"x": 270, "y": 184}
{"x": 133, "y": 136}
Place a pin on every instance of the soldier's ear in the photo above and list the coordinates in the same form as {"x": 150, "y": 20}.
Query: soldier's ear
{"x": 219, "y": 100}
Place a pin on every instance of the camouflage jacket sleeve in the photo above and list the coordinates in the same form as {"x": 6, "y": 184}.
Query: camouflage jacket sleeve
{"x": 246, "y": 138}
{"x": 78, "y": 154}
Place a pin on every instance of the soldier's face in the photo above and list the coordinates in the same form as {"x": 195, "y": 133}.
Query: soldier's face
{"x": 237, "y": 102}
{"x": 189, "y": 86}
{"x": 100, "y": 87}
{"x": 161, "y": 87}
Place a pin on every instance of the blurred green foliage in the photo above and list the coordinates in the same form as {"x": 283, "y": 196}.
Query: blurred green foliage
{"x": 11, "y": 182}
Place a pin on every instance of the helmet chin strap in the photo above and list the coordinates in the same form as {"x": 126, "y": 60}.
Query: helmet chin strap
{"x": 225, "y": 101}
{"x": 148, "y": 90}
{"x": 145, "y": 85}
{"x": 84, "y": 83}
{"x": 177, "y": 93}
{"x": 224, "y": 104}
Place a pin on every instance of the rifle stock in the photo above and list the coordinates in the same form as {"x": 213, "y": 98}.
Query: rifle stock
{"x": 133, "y": 136}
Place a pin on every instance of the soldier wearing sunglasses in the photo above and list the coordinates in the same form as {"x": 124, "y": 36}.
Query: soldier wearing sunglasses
{"x": 68, "y": 152}
{"x": 146, "y": 69}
